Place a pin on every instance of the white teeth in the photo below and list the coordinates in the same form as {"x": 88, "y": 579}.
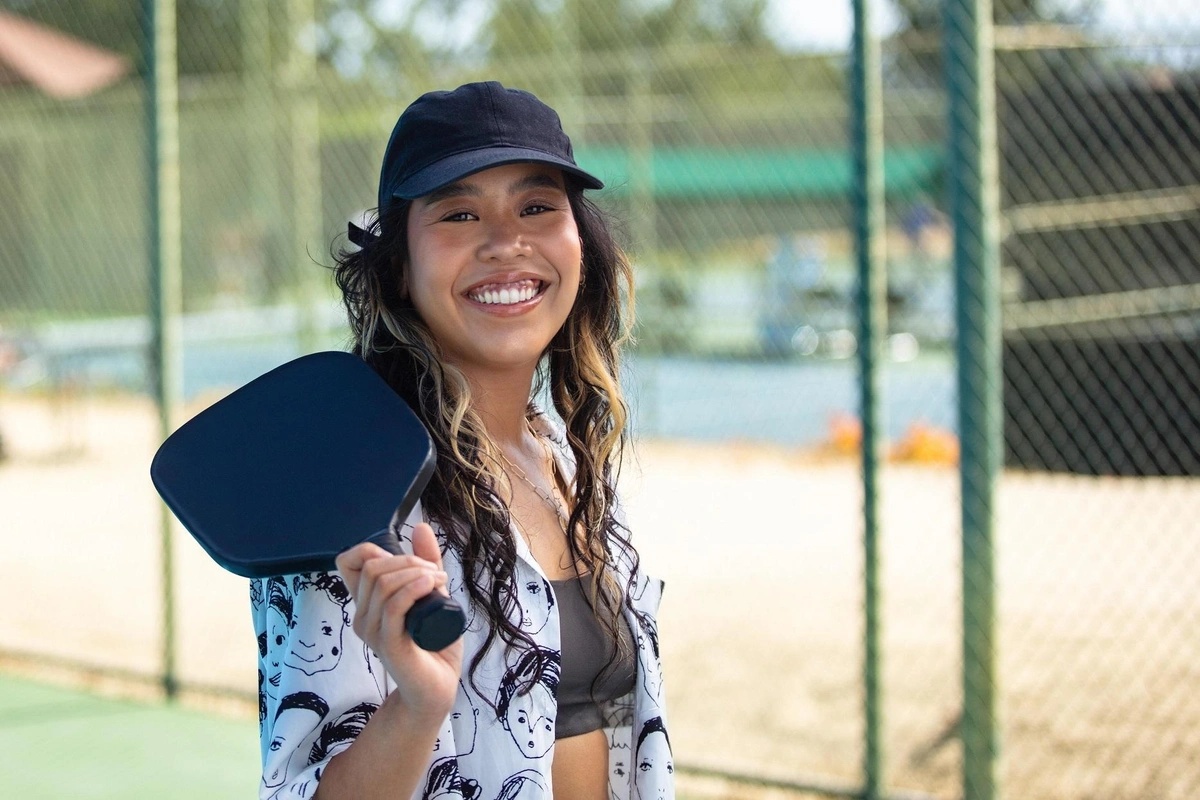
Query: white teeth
{"x": 508, "y": 295}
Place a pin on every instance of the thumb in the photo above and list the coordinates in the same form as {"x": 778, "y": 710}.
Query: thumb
{"x": 425, "y": 544}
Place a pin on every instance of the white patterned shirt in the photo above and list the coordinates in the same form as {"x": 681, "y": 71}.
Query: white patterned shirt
{"x": 319, "y": 684}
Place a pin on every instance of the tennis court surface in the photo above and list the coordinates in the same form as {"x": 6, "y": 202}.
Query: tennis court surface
{"x": 58, "y": 743}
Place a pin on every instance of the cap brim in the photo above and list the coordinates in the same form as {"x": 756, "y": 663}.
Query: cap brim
{"x": 460, "y": 165}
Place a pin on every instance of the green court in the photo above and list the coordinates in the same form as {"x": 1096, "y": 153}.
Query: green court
{"x": 60, "y": 743}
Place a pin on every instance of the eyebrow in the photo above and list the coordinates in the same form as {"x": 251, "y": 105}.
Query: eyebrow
{"x": 464, "y": 188}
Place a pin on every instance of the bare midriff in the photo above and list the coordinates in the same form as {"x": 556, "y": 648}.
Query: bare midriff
{"x": 580, "y": 769}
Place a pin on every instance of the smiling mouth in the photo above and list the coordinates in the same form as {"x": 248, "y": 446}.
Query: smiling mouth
{"x": 507, "y": 294}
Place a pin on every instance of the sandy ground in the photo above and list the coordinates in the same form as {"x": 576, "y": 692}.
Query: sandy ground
{"x": 1098, "y": 655}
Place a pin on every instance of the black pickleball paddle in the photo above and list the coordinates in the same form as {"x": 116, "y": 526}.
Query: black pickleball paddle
{"x": 298, "y": 465}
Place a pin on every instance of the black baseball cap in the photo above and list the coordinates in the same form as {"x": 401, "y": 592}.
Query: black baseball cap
{"x": 445, "y": 136}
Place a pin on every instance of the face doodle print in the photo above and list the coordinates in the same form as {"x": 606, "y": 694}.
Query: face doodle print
{"x": 529, "y": 716}
{"x": 463, "y": 723}
{"x": 618, "y": 764}
{"x": 345, "y": 728}
{"x": 524, "y": 784}
{"x": 446, "y": 784}
{"x": 298, "y": 715}
{"x": 536, "y": 602}
{"x": 651, "y": 679}
{"x": 278, "y": 628}
{"x": 653, "y": 753}
{"x": 316, "y": 642}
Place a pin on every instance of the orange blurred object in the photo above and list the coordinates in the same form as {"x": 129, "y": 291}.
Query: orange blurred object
{"x": 845, "y": 433}
{"x": 926, "y": 444}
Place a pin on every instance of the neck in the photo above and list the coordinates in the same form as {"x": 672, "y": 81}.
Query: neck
{"x": 501, "y": 400}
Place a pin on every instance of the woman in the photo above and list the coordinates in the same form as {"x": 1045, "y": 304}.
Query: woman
{"x": 487, "y": 277}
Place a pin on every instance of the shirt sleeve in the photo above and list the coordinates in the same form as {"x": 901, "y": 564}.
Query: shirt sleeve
{"x": 318, "y": 682}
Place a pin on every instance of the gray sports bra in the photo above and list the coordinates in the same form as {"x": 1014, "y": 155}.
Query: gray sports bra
{"x": 586, "y": 650}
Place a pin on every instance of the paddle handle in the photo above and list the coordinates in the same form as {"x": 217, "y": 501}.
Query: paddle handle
{"x": 435, "y": 621}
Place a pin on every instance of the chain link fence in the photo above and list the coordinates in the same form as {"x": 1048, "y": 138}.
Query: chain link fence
{"x": 721, "y": 129}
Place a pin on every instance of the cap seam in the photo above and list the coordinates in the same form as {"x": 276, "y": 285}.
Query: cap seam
{"x": 491, "y": 96}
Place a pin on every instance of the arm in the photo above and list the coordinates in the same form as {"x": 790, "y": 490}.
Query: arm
{"x": 323, "y": 713}
{"x": 369, "y": 767}
{"x": 384, "y": 588}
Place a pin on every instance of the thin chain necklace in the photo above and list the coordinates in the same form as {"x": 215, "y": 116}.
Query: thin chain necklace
{"x": 552, "y": 501}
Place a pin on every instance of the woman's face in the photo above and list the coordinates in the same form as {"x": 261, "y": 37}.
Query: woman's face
{"x": 494, "y": 265}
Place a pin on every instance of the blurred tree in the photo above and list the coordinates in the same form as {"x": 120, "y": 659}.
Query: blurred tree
{"x": 710, "y": 51}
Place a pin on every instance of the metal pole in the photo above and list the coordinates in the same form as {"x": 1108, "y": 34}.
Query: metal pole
{"x": 261, "y": 129}
{"x": 974, "y": 186}
{"x": 644, "y": 222}
{"x": 867, "y": 135}
{"x": 306, "y": 171}
{"x": 166, "y": 255}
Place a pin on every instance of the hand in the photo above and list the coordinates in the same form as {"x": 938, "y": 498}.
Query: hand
{"x": 384, "y": 587}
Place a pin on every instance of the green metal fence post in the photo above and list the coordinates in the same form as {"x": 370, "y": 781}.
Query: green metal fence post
{"x": 166, "y": 255}
{"x": 304, "y": 127}
{"x": 973, "y": 180}
{"x": 867, "y": 124}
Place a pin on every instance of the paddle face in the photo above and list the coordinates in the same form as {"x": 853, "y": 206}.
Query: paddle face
{"x": 298, "y": 465}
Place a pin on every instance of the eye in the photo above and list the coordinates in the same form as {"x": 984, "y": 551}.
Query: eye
{"x": 533, "y": 209}
{"x": 276, "y": 744}
{"x": 645, "y": 766}
{"x": 670, "y": 768}
{"x": 521, "y": 718}
{"x": 327, "y": 630}
{"x": 458, "y": 216}
{"x": 533, "y": 588}
{"x": 278, "y": 639}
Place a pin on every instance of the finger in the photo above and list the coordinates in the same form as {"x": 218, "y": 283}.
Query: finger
{"x": 393, "y": 581}
{"x": 393, "y": 596}
{"x": 350, "y": 562}
{"x": 401, "y": 602}
{"x": 425, "y": 544}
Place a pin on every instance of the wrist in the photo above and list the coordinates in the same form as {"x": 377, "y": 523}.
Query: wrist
{"x": 425, "y": 714}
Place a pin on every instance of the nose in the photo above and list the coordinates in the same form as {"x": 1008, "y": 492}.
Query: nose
{"x": 503, "y": 241}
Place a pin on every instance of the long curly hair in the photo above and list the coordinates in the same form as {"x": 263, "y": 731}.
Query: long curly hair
{"x": 581, "y": 370}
